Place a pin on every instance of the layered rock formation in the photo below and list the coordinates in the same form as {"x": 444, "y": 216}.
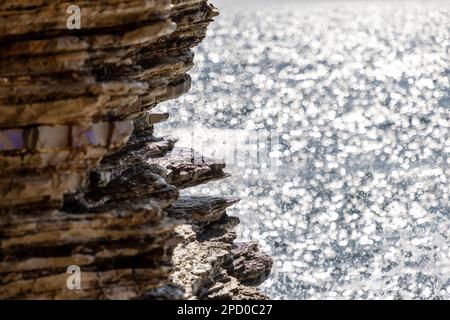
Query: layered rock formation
{"x": 83, "y": 178}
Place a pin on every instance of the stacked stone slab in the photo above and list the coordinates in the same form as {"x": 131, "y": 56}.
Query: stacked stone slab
{"x": 83, "y": 178}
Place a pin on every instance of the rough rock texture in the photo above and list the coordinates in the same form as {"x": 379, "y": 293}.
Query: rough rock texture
{"x": 83, "y": 178}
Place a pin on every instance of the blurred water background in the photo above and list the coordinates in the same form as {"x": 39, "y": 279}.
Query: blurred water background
{"x": 357, "y": 205}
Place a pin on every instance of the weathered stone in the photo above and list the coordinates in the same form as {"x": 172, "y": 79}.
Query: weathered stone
{"x": 250, "y": 266}
{"x": 83, "y": 179}
{"x": 206, "y": 263}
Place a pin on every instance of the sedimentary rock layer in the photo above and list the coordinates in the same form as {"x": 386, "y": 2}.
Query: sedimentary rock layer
{"x": 85, "y": 181}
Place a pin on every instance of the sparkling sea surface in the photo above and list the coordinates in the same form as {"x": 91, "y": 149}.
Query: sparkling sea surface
{"x": 357, "y": 203}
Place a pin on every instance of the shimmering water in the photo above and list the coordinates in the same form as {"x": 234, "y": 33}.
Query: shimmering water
{"x": 359, "y": 94}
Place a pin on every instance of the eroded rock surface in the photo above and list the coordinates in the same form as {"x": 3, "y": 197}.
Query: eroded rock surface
{"x": 85, "y": 181}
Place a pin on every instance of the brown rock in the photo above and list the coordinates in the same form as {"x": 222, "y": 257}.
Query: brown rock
{"x": 83, "y": 179}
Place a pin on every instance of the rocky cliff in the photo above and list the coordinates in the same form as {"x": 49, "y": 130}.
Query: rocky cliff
{"x": 84, "y": 179}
